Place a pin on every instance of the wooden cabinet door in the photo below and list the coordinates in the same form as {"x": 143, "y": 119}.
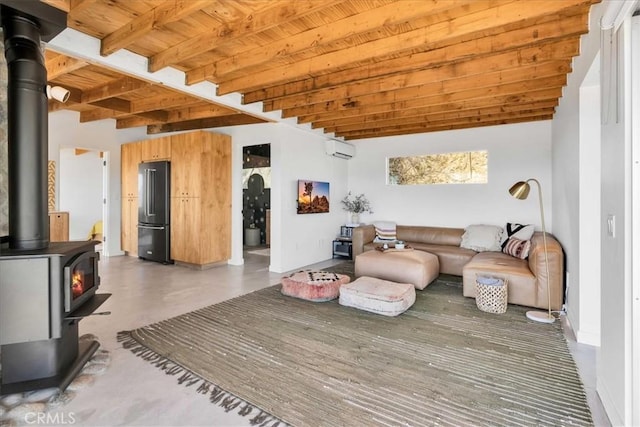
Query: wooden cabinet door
{"x": 185, "y": 229}
{"x": 130, "y": 158}
{"x": 58, "y": 226}
{"x": 129, "y": 226}
{"x": 156, "y": 149}
{"x": 216, "y": 198}
{"x": 186, "y": 165}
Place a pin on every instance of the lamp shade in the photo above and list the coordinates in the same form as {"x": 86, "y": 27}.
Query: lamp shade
{"x": 520, "y": 190}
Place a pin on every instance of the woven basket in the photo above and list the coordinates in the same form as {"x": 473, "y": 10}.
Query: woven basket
{"x": 491, "y": 294}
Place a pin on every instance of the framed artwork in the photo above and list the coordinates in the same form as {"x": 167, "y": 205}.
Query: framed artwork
{"x": 313, "y": 196}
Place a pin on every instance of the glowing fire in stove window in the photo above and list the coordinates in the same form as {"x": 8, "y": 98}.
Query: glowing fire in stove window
{"x": 77, "y": 283}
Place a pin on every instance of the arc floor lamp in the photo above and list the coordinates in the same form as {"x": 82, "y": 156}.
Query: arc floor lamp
{"x": 520, "y": 190}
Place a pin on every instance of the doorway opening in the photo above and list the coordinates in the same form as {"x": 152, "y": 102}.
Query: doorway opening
{"x": 256, "y": 199}
{"x": 82, "y": 177}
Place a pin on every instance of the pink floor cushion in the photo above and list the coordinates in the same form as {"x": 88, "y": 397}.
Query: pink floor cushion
{"x": 378, "y": 296}
{"x": 313, "y": 285}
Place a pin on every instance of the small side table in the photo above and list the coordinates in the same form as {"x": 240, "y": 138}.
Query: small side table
{"x": 342, "y": 248}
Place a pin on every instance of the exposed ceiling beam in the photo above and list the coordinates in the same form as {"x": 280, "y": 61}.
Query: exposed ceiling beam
{"x": 388, "y": 15}
{"x": 116, "y": 104}
{"x": 440, "y": 112}
{"x": 493, "y": 84}
{"x": 113, "y": 89}
{"x": 412, "y": 130}
{"x": 439, "y": 119}
{"x": 165, "y": 101}
{"x": 510, "y": 94}
{"x": 218, "y": 36}
{"x": 165, "y": 13}
{"x": 62, "y": 64}
{"x": 483, "y": 23}
{"x": 214, "y": 122}
{"x": 180, "y": 115}
{"x": 477, "y": 48}
{"x": 512, "y": 60}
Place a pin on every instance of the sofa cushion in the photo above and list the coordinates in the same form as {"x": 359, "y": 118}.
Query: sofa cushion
{"x": 516, "y": 247}
{"x": 385, "y": 231}
{"x": 517, "y": 231}
{"x": 481, "y": 238}
{"x": 451, "y": 258}
{"x": 430, "y": 235}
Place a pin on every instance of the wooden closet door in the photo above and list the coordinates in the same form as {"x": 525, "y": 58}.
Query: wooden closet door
{"x": 129, "y": 161}
{"x": 129, "y": 226}
{"x": 185, "y": 229}
{"x": 186, "y": 165}
{"x": 156, "y": 149}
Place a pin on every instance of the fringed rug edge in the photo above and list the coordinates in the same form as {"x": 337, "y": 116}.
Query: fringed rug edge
{"x": 226, "y": 400}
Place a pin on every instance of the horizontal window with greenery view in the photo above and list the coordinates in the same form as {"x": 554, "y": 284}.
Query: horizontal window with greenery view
{"x": 447, "y": 168}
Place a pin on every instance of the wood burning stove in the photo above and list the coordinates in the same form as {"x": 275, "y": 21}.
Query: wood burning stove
{"x": 45, "y": 288}
{"x": 43, "y": 295}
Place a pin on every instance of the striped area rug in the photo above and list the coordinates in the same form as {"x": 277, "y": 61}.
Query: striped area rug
{"x": 280, "y": 360}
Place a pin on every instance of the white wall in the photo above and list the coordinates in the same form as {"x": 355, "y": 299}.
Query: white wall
{"x": 80, "y": 189}
{"x": 614, "y": 359}
{"x": 516, "y": 152}
{"x": 568, "y": 190}
{"x": 297, "y": 240}
{"x": 586, "y": 320}
{"x": 571, "y": 183}
{"x": 634, "y": 329}
{"x": 66, "y": 131}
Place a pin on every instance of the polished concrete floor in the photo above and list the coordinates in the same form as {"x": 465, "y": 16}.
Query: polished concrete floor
{"x": 132, "y": 392}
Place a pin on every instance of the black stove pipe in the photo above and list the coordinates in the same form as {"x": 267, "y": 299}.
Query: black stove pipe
{"x": 28, "y": 126}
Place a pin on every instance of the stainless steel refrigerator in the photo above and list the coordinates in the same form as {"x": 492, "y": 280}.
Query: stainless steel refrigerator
{"x": 154, "y": 211}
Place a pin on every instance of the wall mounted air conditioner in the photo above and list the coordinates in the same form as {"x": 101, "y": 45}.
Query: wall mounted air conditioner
{"x": 339, "y": 149}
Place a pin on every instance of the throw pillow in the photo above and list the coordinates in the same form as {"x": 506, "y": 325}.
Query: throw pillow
{"x": 385, "y": 231}
{"x": 517, "y": 248}
{"x": 482, "y": 238}
{"x": 517, "y": 231}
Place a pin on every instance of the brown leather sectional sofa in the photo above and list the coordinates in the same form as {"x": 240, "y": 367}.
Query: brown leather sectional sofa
{"x": 526, "y": 279}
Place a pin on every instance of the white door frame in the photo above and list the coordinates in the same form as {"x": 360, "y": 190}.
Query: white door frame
{"x": 635, "y": 220}
{"x": 105, "y": 201}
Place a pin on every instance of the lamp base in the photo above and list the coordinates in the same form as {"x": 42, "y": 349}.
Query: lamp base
{"x": 540, "y": 316}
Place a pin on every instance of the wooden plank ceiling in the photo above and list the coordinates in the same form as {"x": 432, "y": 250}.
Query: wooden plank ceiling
{"x": 355, "y": 68}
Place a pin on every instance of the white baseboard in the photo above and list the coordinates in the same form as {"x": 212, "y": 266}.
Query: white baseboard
{"x": 589, "y": 338}
{"x": 616, "y": 418}
{"x": 235, "y": 261}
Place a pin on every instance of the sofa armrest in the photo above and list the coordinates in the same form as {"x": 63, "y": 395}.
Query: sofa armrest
{"x": 556, "y": 269}
{"x": 360, "y": 236}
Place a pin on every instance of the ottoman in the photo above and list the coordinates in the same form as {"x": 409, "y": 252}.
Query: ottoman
{"x": 378, "y": 296}
{"x": 407, "y": 266}
{"x": 313, "y": 285}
